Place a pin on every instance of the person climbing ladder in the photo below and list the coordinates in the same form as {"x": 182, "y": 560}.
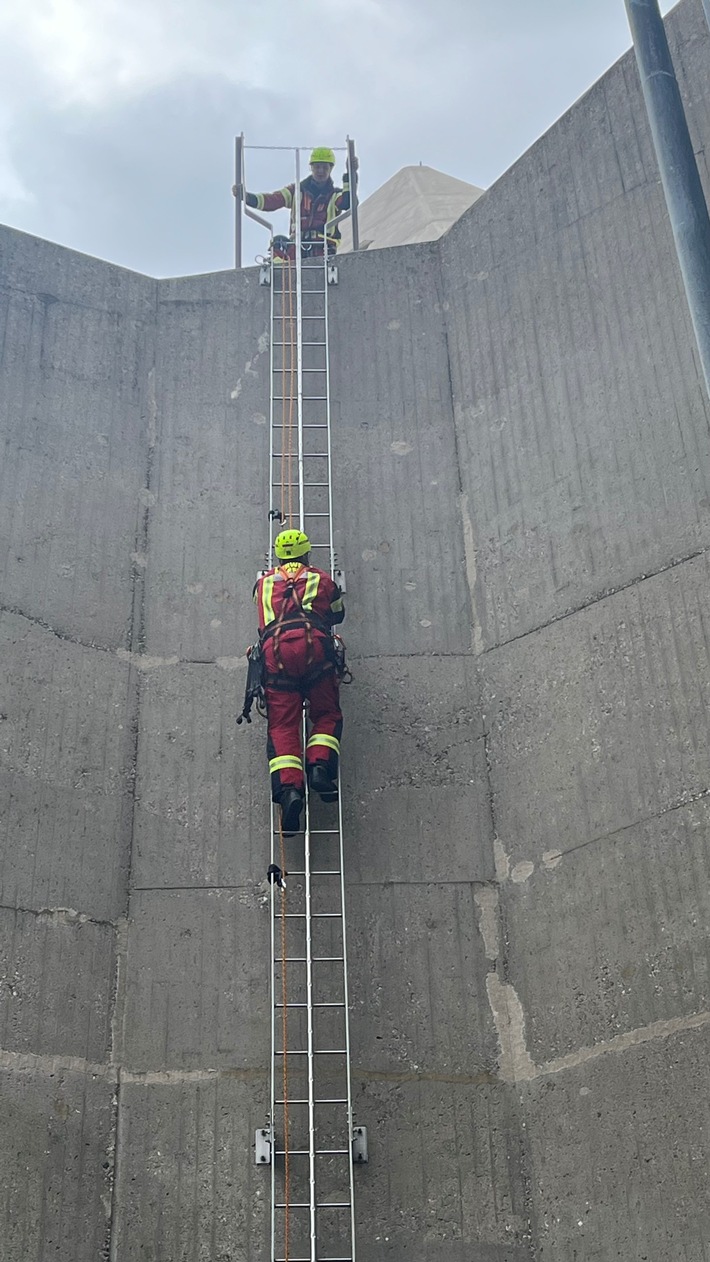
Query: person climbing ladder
{"x": 298, "y": 605}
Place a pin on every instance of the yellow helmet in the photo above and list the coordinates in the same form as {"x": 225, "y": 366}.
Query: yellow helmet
{"x": 323, "y": 155}
{"x": 291, "y": 544}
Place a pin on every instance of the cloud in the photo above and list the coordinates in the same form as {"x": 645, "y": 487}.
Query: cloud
{"x": 117, "y": 118}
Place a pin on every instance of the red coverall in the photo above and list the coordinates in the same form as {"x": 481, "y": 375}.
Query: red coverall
{"x": 297, "y": 606}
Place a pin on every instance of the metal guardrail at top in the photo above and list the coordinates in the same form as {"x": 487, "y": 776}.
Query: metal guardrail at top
{"x": 240, "y": 184}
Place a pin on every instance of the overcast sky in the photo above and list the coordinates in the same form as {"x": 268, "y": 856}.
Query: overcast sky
{"x": 118, "y": 117}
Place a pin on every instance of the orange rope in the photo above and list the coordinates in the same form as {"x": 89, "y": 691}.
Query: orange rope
{"x": 284, "y": 1037}
{"x": 288, "y": 373}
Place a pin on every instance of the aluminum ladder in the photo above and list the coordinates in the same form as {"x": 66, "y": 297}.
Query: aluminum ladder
{"x": 310, "y": 1139}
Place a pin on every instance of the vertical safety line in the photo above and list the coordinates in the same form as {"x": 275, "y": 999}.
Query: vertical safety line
{"x": 326, "y": 339}
{"x": 309, "y": 1001}
{"x": 272, "y": 468}
{"x": 284, "y": 1044}
{"x": 299, "y": 335}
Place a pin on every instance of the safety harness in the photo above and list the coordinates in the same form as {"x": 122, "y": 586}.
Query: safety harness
{"x": 291, "y": 616}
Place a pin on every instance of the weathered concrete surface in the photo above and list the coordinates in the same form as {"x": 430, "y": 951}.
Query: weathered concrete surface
{"x": 75, "y": 364}
{"x": 197, "y": 821}
{"x": 521, "y": 455}
{"x": 66, "y": 754}
{"x": 393, "y": 417}
{"x": 618, "y": 1154}
{"x": 185, "y": 1185}
{"x": 208, "y": 530}
{"x": 56, "y": 1161}
{"x": 581, "y": 417}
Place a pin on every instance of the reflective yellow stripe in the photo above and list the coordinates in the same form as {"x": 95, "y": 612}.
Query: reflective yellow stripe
{"x": 337, "y": 605}
{"x": 286, "y": 760}
{"x": 330, "y": 742}
{"x": 267, "y": 591}
{"x": 312, "y": 583}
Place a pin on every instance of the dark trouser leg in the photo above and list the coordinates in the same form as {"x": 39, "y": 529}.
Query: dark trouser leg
{"x": 284, "y": 714}
{"x": 326, "y": 724}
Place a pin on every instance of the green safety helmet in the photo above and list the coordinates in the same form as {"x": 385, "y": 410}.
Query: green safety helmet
{"x": 323, "y": 155}
{"x": 291, "y": 544}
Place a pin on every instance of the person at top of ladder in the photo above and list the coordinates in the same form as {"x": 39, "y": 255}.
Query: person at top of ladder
{"x": 321, "y": 201}
{"x": 298, "y": 604}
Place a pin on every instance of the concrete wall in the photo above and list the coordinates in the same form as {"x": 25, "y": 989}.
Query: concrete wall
{"x": 76, "y": 345}
{"x": 583, "y": 430}
{"x": 521, "y": 455}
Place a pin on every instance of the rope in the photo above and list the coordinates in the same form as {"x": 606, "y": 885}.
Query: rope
{"x": 284, "y": 1044}
{"x": 287, "y": 398}
{"x": 288, "y": 374}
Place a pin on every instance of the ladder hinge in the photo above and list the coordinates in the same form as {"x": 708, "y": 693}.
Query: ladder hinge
{"x": 262, "y": 1146}
{"x": 360, "y": 1156}
{"x": 332, "y": 274}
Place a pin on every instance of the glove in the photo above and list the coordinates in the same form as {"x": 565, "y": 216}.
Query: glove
{"x": 251, "y": 200}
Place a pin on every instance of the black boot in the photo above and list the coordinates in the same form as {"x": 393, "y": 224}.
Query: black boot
{"x": 291, "y": 807}
{"x": 320, "y": 782}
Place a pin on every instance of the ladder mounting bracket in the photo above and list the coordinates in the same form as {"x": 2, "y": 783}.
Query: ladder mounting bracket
{"x": 262, "y": 1146}
{"x": 339, "y": 578}
{"x": 360, "y": 1155}
{"x": 265, "y": 274}
{"x": 332, "y": 274}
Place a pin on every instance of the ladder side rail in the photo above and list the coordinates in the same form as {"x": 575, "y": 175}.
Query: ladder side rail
{"x": 329, "y": 463}
{"x": 299, "y": 334}
{"x": 272, "y": 1102}
{"x": 352, "y": 172}
{"x": 272, "y": 462}
{"x": 304, "y": 738}
{"x": 309, "y": 1019}
{"x": 352, "y": 212}
{"x": 269, "y": 562}
{"x": 238, "y": 180}
{"x": 346, "y": 1014}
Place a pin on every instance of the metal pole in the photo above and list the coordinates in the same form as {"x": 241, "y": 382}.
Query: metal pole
{"x": 238, "y": 178}
{"x": 683, "y": 190}
{"x": 353, "y": 190}
{"x": 706, "y": 6}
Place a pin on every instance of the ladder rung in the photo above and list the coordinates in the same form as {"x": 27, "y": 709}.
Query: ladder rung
{"x": 292, "y": 344}
{"x": 333, "y": 1101}
{"x": 314, "y": 872}
{"x": 307, "y": 455}
{"x": 315, "y": 959}
{"x": 305, "y": 1204}
{"x": 310, "y": 398}
{"x": 303, "y": 1051}
{"x": 306, "y": 1152}
{"x": 321, "y": 1004}
{"x": 316, "y": 915}
{"x": 305, "y": 425}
